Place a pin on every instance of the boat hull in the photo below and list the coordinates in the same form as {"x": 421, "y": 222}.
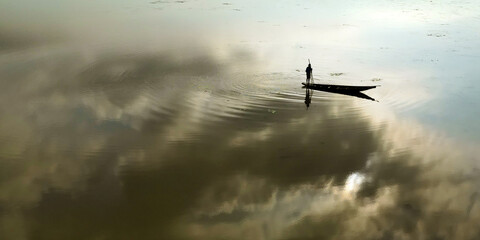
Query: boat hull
{"x": 335, "y": 88}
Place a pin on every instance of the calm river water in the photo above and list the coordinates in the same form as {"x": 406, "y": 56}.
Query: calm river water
{"x": 187, "y": 120}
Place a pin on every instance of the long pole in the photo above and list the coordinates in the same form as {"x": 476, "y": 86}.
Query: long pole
{"x": 311, "y": 74}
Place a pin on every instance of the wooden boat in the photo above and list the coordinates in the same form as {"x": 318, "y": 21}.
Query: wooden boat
{"x": 354, "y": 91}
{"x": 337, "y": 88}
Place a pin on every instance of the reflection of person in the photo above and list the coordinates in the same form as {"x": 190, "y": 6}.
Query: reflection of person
{"x": 309, "y": 72}
{"x": 308, "y": 97}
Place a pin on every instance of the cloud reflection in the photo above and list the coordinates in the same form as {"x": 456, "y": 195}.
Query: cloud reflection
{"x": 134, "y": 146}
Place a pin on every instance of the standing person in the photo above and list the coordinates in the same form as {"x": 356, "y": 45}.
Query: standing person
{"x": 309, "y": 72}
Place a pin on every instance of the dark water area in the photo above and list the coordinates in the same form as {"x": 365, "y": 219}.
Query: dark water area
{"x": 188, "y": 120}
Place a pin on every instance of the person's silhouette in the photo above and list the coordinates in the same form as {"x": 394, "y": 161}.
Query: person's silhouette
{"x": 309, "y": 72}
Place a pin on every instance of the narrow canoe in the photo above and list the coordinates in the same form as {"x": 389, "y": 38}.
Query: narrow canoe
{"x": 340, "y": 88}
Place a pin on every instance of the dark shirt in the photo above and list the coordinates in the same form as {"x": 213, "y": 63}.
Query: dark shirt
{"x": 309, "y": 71}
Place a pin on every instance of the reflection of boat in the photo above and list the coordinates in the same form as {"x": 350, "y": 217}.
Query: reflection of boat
{"x": 341, "y": 89}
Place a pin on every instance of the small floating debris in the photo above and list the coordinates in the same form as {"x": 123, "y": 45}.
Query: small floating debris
{"x": 376, "y": 79}
{"x": 159, "y": 1}
{"x": 336, "y": 74}
{"x": 436, "y": 35}
{"x": 272, "y": 111}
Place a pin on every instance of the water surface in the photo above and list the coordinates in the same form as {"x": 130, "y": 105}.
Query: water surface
{"x": 187, "y": 120}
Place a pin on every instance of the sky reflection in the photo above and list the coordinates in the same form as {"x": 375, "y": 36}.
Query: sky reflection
{"x": 118, "y": 148}
{"x": 193, "y": 126}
